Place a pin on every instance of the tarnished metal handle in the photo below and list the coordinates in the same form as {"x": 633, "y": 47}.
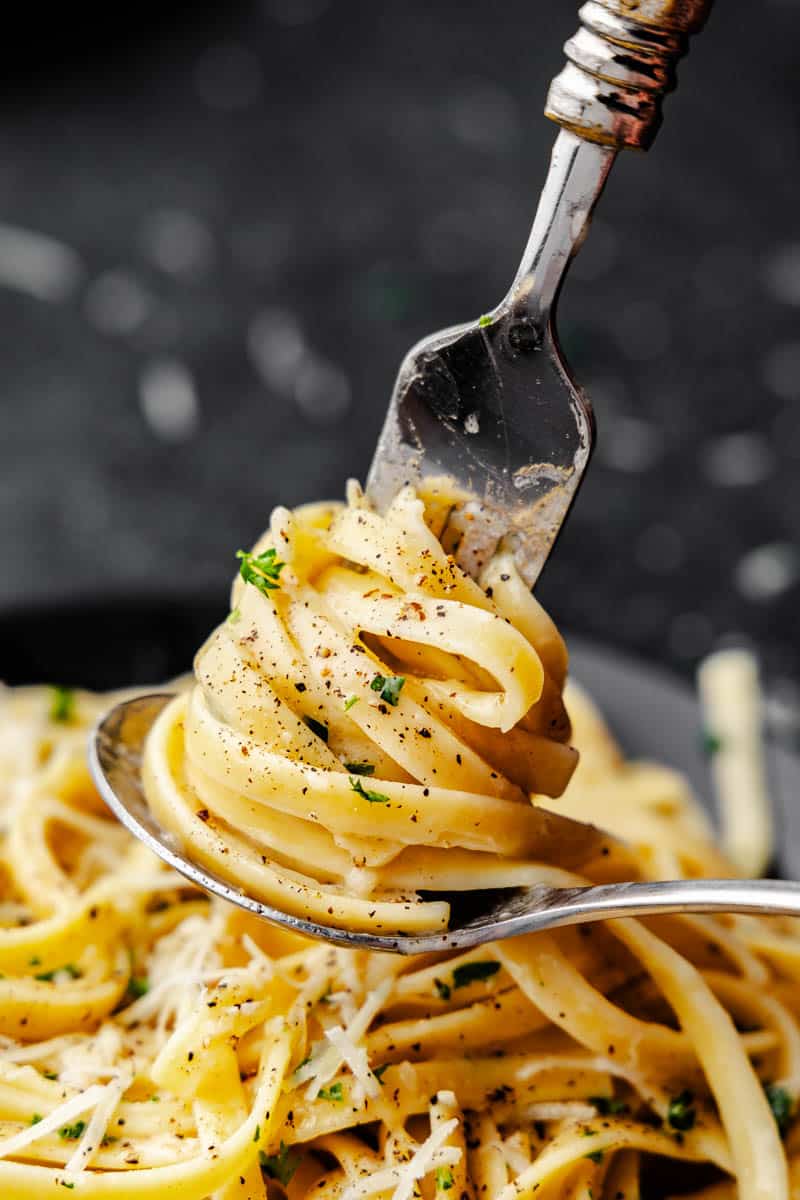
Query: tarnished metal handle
{"x": 620, "y": 64}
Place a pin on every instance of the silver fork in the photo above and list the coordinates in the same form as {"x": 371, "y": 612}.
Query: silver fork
{"x": 492, "y": 405}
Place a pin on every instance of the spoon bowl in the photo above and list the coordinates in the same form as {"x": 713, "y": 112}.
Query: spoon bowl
{"x": 115, "y": 757}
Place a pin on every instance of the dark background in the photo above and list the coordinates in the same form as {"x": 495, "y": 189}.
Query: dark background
{"x": 257, "y": 208}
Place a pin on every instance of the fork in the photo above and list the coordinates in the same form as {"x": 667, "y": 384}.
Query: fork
{"x": 493, "y": 406}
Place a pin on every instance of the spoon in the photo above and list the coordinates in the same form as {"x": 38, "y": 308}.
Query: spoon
{"x": 115, "y": 754}
{"x": 493, "y": 406}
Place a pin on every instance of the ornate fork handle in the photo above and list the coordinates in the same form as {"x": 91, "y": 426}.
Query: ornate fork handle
{"x": 620, "y": 64}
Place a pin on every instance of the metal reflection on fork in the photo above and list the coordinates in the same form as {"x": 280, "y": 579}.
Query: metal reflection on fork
{"x": 492, "y": 407}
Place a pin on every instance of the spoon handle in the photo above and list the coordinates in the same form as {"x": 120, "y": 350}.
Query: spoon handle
{"x": 620, "y": 64}
{"x": 548, "y": 908}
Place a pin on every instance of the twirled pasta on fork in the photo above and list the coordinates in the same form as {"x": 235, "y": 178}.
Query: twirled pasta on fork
{"x": 369, "y": 723}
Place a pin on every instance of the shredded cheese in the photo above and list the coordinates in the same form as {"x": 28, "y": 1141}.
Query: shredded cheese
{"x": 343, "y": 1045}
{"x": 97, "y": 1127}
{"x": 402, "y": 1177}
{"x": 68, "y": 1111}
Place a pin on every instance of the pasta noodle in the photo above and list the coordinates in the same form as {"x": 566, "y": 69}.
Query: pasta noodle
{"x": 156, "y": 1043}
{"x": 369, "y": 722}
{"x": 729, "y": 691}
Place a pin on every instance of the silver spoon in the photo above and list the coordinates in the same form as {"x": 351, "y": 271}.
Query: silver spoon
{"x": 115, "y": 755}
{"x": 493, "y": 405}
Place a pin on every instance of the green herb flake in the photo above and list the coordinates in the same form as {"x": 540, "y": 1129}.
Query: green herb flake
{"x": 333, "y": 1093}
{"x": 373, "y": 797}
{"x": 484, "y": 321}
{"x": 710, "y": 743}
{"x": 362, "y": 768}
{"x": 317, "y": 727}
{"x": 389, "y": 687}
{"x": 64, "y": 1183}
{"x": 62, "y": 704}
{"x": 350, "y": 701}
{"x": 138, "y": 986}
{"x": 379, "y": 1072}
{"x": 262, "y": 570}
{"x": 234, "y": 616}
{"x": 607, "y": 1106}
{"x": 257, "y": 1134}
{"x": 68, "y": 969}
{"x": 280, "y": 1166}
{"x": 51, "y": 1074}
{"x": 596, "y": 1156}
{"x": 681, "y": 1113}
{"x": 782, "y": 1106}
{"x": 36, "y": 1118}
{"x": 472, "y": 972}
{"x": 444, "y": 1179}
{"x": 71, "y": 1133}
{"x": 443, "y": 989}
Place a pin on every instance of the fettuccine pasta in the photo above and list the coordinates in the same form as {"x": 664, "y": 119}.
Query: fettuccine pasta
{"x": 370, "y": 722}
{"x": 157, "y": 1044}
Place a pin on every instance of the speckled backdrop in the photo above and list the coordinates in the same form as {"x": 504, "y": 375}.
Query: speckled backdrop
{"x": 255, "y": 208}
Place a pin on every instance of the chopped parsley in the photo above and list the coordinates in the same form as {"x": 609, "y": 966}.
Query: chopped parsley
{"x": 363, "y": 768}
{"x": 334, "y": 1093}
{"x": 350, "y": 701}
{"x": 138, "y": 986}
{"x": 444, "y": 1179}
{"x": 36, "y": 1118}
{"x": 389, "y": 686}
{"x": 379, "y": 1072}
{"x": 443, "y": 989}
{"x": 71, "y": 1133}
{"x": 234, "y": 616}
{"x": 781, "y": 1104}
{"x": 280, "y": 1166}
{"x": 317, "y": 727}
{"x": 367, "y": 793}
{"x": 681, "y": 1113}
{"x": 64, "y": 1183}
{"x": 596, "y": 1156}
{"x": 262, "y": 570}
{"x": 62, "y": 704}
{"x": 710, "y": 743}
{"x": 607, "y": 1106}
{"x": 51, "y": 1074}
{"x": 68, "y": 969}
{"x": 484, "y": 321}
{"x": 257, "y": 1134}
{"x": 472, "y": 972}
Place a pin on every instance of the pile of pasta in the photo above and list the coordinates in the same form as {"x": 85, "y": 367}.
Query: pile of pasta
{"x": 370, "y": 722}
{"x": 156, "y": 1044}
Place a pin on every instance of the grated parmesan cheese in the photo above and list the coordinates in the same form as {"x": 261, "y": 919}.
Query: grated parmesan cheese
{"x": 402, "y": 1177}
{"x": 343, "y": 1046}
{"x": 97, "y": 1127}
{"x": 62, "y": 1115}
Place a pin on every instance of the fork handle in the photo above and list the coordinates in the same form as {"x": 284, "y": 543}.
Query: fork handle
{"x": 620, "y": 64}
